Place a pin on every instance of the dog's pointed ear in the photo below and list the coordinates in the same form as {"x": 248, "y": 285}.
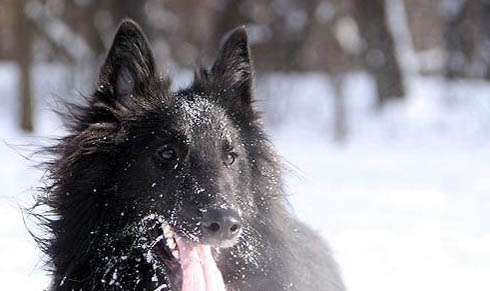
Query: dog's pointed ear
{"x": 129, "y": 63}
{"x": 233, "y": 68}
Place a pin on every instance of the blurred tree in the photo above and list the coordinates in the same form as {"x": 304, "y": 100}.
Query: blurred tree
{"x": 485, "y": 42}
{"x": 329, "y": 45}
{"x": 332, "y": 45}
{"x": 426, "y": 23}
{"x": 461, "y": 36}
{"x": 7, "y": 47}
{"x": 467, "y": 38}
{"x": 82, "y": 18}
{"x": 420, "y": 35}
{"x": 379, "y": 52}
{"x": 24, "y": 59}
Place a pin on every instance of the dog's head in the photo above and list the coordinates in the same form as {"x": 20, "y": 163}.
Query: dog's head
{"x": 196, "y": 158}
{"x": 189, "y": 170}
{"x": 185, "y": 154}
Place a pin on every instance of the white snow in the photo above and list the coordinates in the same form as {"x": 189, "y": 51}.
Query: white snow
{"x": 404, "y": 202}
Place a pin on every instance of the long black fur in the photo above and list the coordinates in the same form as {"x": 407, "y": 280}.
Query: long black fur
{"x": 107, "y": 190}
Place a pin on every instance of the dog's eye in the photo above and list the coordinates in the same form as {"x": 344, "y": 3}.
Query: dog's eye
{"x": 168, "y": 154}
{"x": 230, "y": 158}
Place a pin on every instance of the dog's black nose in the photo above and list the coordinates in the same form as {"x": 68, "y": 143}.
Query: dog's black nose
{"x": 221, "y": 224}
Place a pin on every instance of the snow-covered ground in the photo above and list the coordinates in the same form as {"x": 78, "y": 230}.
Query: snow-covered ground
{"x": 404, "y": 202}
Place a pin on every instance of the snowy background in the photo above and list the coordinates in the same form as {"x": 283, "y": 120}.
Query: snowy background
{"x": 404, "y": 202}
{"x": 403, "y": 199}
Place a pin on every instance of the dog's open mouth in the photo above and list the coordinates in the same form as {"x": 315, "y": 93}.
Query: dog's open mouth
{"x": 192, "y": 264}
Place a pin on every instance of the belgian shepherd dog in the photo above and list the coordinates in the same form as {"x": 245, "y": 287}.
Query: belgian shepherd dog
{"x": 160, "y": 190}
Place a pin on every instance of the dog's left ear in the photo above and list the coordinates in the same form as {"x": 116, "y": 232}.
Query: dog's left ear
{"x": 129, "y": 63}
{"x": 233, "y": 70}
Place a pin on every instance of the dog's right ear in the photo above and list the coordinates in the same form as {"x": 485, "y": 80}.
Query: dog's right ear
{"x": 129, "y": 63}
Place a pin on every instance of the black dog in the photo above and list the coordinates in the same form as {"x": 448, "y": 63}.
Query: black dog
{"x": 161, "y": 190}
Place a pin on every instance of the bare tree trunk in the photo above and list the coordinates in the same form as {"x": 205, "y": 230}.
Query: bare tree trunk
{"x": 24, "y": 59}
{"x": 467, "y": 39}
{"x": 485, "y": 30}
{"x": 340, "y": 123}
{"x": 379, "y": 54}
{"x": 460, "y": 37}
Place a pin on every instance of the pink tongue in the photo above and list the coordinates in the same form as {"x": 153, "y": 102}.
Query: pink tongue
{"x": 200, "y": 272}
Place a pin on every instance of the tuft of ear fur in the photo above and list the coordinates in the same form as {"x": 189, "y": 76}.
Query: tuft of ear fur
{"x": 129, "y": 63}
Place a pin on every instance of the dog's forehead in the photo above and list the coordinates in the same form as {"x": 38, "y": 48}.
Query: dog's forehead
{"x": 198, "y": 116}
